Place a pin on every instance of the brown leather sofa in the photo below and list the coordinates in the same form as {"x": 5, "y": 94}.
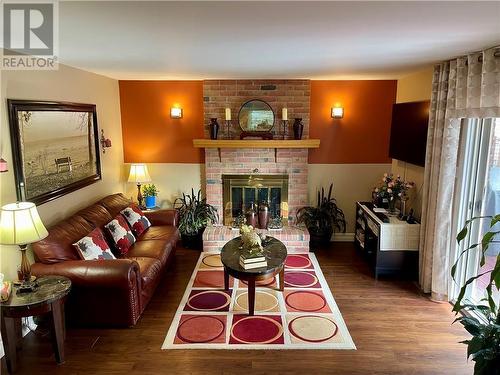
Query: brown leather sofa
{"x": 108, "y": 292}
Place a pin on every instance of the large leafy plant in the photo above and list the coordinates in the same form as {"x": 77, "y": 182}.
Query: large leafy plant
{"x": 194, "y": 213}
{"x": 325, "y": 218}
{"x": 484, "y": 346}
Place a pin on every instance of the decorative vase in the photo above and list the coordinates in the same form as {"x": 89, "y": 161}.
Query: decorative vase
{"x": 392, "y": 206}
{"x": 150, "y": 201}
{"x": 298, "y": 128}
{"x": 263, "y": 215}
{"x": 214, "y": 128}
{"x": 251, "y": 216}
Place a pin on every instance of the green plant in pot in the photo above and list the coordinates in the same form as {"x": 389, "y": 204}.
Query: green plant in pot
{"x": 482, "y": 321}
{"x": 194, "y": 216}
{"x": 150, "y": 192}
{"x": 321, "y": 221}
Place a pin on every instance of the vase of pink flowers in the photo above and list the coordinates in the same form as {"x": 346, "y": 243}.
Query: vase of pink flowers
{"x": 393, "y": 189}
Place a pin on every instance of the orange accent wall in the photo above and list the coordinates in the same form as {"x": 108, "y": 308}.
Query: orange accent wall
{"x": 362, "y": 136}
{"x": 149, "y": 134}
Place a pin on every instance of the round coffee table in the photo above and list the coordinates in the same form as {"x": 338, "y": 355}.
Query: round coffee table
{"x": 275, "y": 253}
{"x": 48, "y": 297}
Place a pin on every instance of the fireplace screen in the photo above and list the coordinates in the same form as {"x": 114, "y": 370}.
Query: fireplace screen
{"x": 240, "y": 191}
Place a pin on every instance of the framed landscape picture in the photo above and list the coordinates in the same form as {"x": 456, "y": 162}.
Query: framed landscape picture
{"x": 55, "y": 148}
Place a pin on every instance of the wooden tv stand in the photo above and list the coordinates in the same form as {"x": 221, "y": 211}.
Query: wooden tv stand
{"x": 390, "y": 248}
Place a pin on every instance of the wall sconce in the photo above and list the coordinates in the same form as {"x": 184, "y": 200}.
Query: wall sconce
{"x": 337, "y": 112}
{"x": 176, "y": 112}
{"x": 3, "y": 165}
{"x": 105, "y": 142}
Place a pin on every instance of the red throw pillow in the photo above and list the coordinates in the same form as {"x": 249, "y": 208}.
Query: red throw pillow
{"x": 94, "y": 246}
{"x": 120, "y": 233}
{"x": 136, "y": 219}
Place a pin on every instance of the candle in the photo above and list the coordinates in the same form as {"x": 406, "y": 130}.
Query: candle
{"x": 284, "y": 114}
{"x": 228, "y": 114}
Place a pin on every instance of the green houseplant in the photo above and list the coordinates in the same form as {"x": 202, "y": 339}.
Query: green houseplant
{"x": 321, "y": 221}
{"x": 150, "y": 192}
{"x": 194, "y": 215}
{"x": 484, "y": 346}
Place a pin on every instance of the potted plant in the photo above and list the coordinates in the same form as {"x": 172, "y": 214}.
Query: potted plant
{"x": 393, "y": 188}
{"x": 194, "y": 216}
{"x": 321, "y": 221}
{"x": 150, "y": 192}
{"x": 482, "y": 321}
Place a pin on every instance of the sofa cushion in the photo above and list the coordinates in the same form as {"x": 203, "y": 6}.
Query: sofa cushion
{"x": 157, "y": 249}
{"x": 96, "y": 214}
{"x": 114, "y": 203}
{"x": 58, "y": 245}
{"x": 120, "y": 234}
{"x": 136, "y": 219}
{"x": 93, "y": 246}
{"x": 160, "y": 232}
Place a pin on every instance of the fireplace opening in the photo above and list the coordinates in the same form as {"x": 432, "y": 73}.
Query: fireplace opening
{"x": 240, "y": 191}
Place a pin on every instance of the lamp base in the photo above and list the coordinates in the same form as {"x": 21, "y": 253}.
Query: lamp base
{"x": 27, "y": 287}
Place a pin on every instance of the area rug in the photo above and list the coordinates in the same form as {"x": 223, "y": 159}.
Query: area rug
{"x": 304, "y": 316}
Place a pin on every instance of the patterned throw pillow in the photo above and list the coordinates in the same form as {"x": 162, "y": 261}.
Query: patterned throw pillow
{"x": 94, "y": 246}
{"x": 120, "y": 233}
{"x": 136, "y": 219}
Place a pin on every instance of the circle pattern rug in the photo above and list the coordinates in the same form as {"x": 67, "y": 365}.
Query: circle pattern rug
{"x": 306, "y": 301}
{"x": 302, "y": 316}
{"x": 298, "y": 261}
{"x": 257, "y": 330}
{"x": 312, "y": 328}
{"x": 271, "y": 282}
{"x": 264, "y": 301}
{"x": 208, "y": 300}
{"x": 301, "y": 279}
{"x": 201, "y": 329}
{"x": 212, "y": 261}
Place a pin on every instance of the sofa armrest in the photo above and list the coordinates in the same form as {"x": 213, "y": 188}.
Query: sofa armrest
{"x": 118, "y": 273}
{"x": 103, "y": 293}
{"x": 163, "y": 217}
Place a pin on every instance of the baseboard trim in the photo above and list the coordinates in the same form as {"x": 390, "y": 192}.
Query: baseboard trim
{"x": 342, "y": 237}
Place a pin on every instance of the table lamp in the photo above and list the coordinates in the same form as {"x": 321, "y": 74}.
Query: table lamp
{"x": 21, "y": 225}
{"x": 139, "y": 174}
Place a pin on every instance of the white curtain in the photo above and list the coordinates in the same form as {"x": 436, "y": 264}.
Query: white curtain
{"x": 466, "y": 87}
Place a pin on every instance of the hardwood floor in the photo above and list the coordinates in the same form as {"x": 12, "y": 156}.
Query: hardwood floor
{"x": 396, "y": 331}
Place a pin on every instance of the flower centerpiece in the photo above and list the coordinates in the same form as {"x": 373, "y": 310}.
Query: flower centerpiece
{"x": 392, "y": 189}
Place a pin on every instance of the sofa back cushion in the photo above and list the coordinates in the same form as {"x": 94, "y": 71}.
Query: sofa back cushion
{"x": 96, "y": 214}
{"x": 58, "y": 245}
{"x": 114, "y": 204}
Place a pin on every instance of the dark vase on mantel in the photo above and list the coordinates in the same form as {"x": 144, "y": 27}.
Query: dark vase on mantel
{"x": 214, "y": 128}
{"x": 251, "y": 216}
{"x": 263, "y": 215}
{"x": 298, "y": 128}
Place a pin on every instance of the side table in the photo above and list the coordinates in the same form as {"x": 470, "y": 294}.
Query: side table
{"x": 49, "y": 297}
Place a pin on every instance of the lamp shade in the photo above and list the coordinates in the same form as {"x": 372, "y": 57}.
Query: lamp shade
{"x": 20, "y": 224}
{"x": 139, "y": 173}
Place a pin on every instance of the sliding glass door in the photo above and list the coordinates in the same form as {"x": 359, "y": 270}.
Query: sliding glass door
{"x": 477, "y": 194}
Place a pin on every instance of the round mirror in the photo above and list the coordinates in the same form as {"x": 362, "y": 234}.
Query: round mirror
{"x": 256, "y": 116}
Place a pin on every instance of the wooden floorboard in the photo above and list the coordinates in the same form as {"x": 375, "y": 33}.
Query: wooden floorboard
{"x": 395, "y": 328}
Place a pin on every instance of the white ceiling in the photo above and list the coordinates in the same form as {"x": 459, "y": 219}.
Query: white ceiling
{"x": 335, "y": 40}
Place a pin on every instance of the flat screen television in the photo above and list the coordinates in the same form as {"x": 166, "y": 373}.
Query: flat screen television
{"x": 409, "y": 132}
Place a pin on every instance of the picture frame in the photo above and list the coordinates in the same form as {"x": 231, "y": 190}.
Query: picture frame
{"x": 55, "y": 148}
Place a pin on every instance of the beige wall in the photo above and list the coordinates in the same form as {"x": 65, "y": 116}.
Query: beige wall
{"x": 351, "y": 183}
{"x": 412, "y": 88}
{"x": 65, "y": 84}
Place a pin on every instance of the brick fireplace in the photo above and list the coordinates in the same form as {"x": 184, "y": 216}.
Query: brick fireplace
{"x": 291, "y": 94}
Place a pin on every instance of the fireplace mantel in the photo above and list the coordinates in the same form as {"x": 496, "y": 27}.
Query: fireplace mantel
{"x": 256, "y": 143}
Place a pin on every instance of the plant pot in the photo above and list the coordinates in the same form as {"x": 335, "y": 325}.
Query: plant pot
{"x": 298, "y": 128}
{"x": 319, "y": 238}
{"x": 214, "y": 128}
{"x": 150, "y": 201}
{"x": 193, "y": 241}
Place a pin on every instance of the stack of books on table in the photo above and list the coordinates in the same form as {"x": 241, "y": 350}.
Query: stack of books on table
{"x": 250, "y": 261}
